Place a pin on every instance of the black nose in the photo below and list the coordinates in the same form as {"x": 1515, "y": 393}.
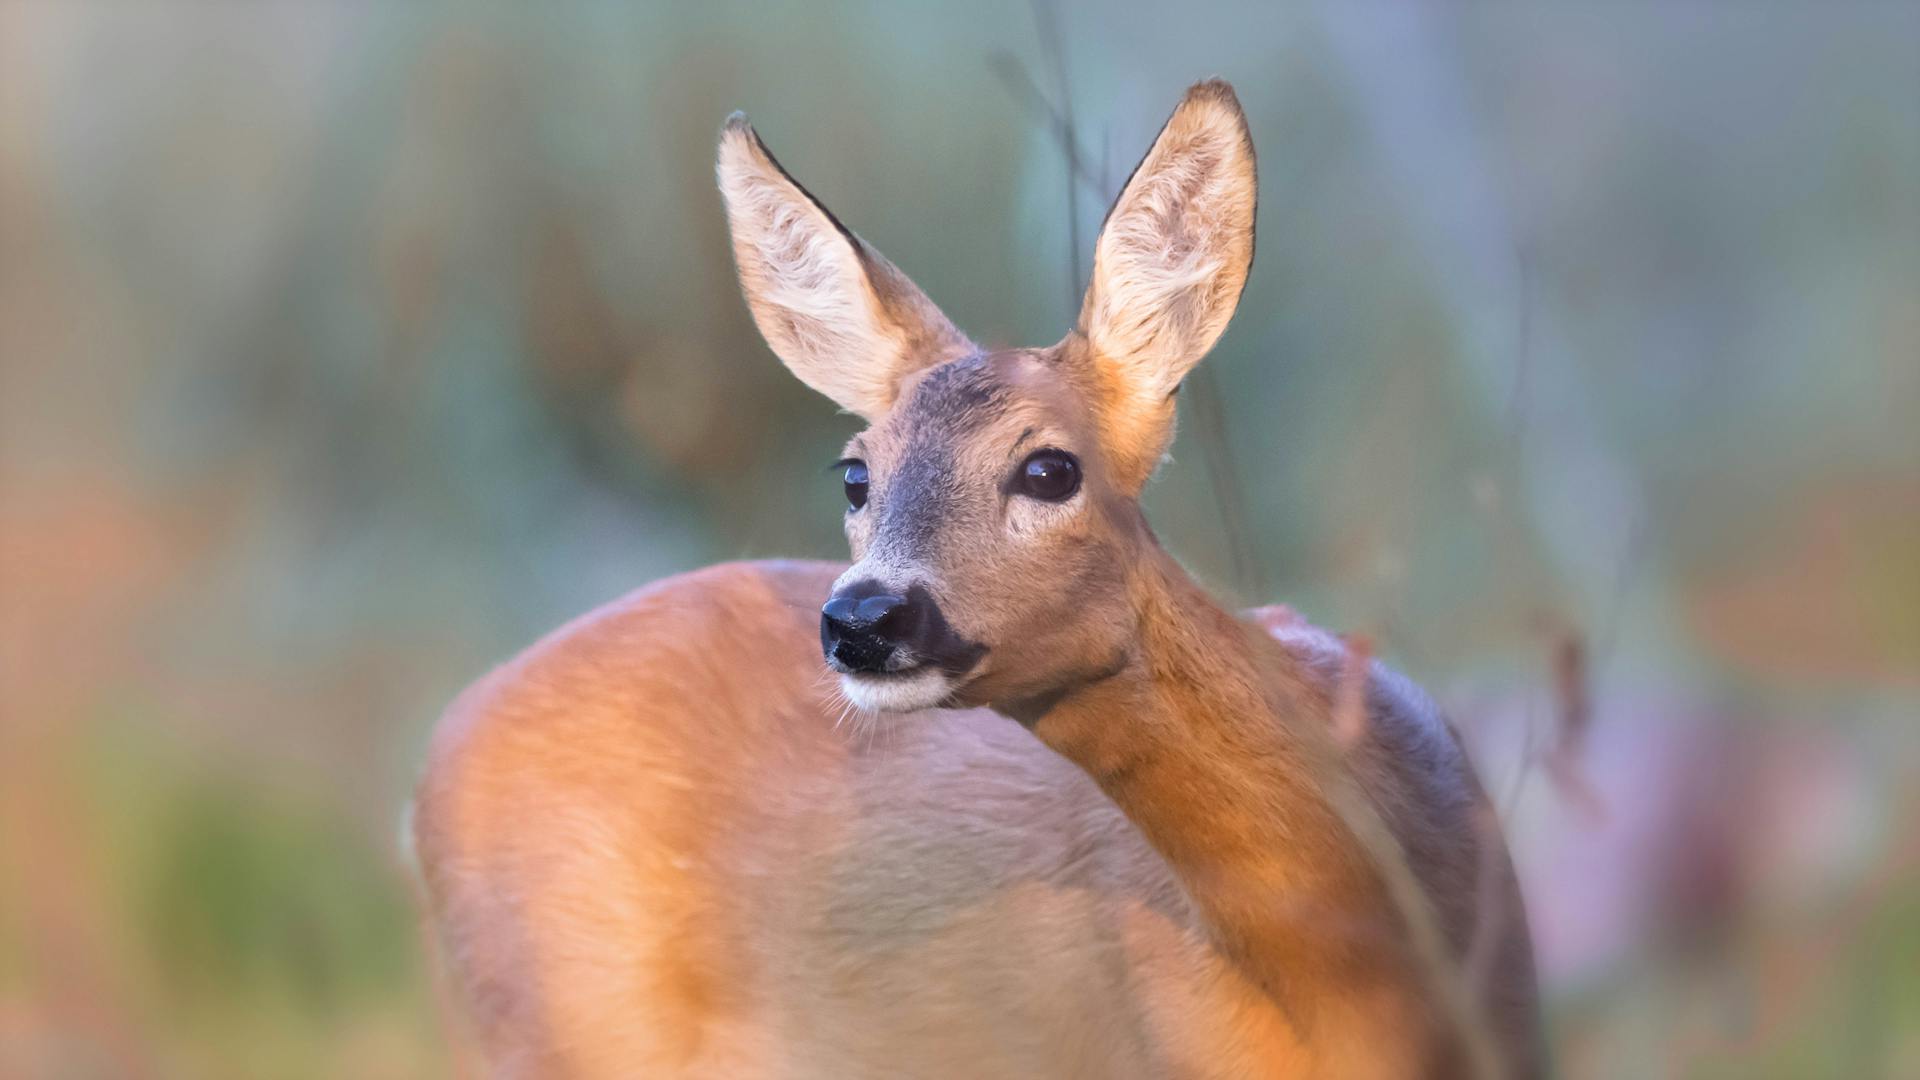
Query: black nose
{"x": 862, "y": 625}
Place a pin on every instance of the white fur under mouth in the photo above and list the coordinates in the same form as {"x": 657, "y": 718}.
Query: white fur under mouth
{"x": 907, "y": 691}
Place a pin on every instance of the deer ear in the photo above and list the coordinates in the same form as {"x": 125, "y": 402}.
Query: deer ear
{"x": 840, "y": 316}
{"x": 1168, "y": 269}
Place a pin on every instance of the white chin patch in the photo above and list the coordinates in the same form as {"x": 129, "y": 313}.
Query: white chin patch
{"x": 922, "y": 689}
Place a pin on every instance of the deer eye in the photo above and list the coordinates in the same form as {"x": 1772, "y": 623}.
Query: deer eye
{"x": 1049, "y": 475}
{"x": 855, "y": 479}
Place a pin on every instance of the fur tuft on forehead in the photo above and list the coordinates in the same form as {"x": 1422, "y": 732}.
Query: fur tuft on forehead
{"x": 957, "y": 391}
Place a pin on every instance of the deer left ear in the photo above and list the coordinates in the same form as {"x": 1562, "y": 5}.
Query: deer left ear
{"x": 836, "y": 312}
{"x": 1168, "y": 269}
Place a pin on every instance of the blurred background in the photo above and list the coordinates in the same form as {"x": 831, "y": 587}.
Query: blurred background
{"x": 345, "y": 349}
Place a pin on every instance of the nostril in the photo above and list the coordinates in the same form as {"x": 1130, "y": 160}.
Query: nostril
{"x": 859, "y": 628}
{"x": 839, "y": 614}
{"x": 879, "y": 612}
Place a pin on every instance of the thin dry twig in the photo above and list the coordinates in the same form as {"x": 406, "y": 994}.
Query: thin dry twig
{"x": 1573, "y": 718}
{"x": 1518, "y": 396}
{"x": 1215, "y": 449}
{"x": 1350, "y": 704}
{"x": 1012, "y": 72}
{"x": 1490, "y": 904}
{"x": 1444, "y": 978}
{"x": 1046, "y": 17}
{"x": 1202, "y": 390}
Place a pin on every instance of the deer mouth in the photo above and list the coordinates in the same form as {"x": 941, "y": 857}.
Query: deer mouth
{"x": 922, "y": 686}
{"x": 894, "y": 653}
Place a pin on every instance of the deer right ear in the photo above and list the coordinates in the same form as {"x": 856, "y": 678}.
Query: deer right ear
{"x": 1168, "y": 269}
{"x": 838, "y": 314}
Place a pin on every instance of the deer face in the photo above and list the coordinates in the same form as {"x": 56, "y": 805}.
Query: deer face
{"x": 992, "y": 502}
{"x": 991, "y": 526}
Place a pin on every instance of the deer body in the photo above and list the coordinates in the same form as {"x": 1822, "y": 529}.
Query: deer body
{"x": 1046, "y": 811}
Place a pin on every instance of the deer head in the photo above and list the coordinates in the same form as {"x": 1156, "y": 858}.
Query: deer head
{"x": 992, "y": 500}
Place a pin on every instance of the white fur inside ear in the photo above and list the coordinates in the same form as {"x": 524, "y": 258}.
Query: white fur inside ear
{"x": 1176, "y": 249}
{"x": 841, "y": 317}
{"x": 805, "y": 282}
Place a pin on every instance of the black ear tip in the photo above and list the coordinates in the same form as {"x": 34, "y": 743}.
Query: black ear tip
{"x": 737, "y": 125}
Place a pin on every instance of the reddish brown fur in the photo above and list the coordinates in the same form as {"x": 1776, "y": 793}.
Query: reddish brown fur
{"x": 641, "y": 863}
{"x": 659, "y": 842}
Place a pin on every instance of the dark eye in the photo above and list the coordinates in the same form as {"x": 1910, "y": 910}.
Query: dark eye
{"x": 856, "y": 481}
{"x": 1052, "y": 475}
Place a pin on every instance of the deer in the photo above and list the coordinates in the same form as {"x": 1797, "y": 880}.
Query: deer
{"x": 1009, "y": 794}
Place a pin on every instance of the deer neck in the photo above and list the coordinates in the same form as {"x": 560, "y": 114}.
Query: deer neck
{"x": 1215, "y": 743}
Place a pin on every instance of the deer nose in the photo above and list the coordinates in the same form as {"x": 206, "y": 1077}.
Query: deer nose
{"x": 862, "y": 625}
